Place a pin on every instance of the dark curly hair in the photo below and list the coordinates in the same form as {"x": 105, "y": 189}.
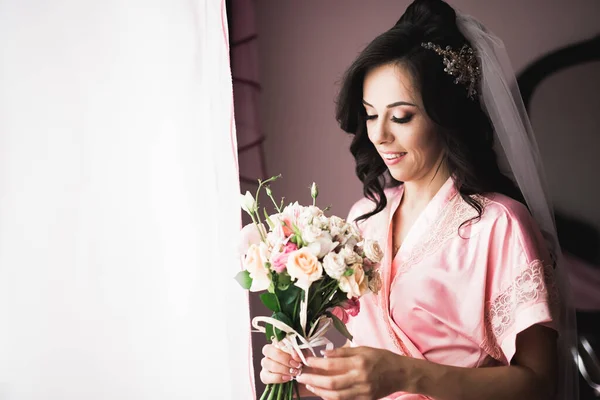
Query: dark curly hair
{"x": 464, "y": 129}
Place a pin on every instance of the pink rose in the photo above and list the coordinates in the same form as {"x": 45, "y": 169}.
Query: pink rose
{"x": 352, "y": 306}
{"x": 340, "y": 313}
{"x": 280, "y": 260}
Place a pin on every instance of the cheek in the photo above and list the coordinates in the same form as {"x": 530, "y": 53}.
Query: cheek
{"x": 423, "y": 144}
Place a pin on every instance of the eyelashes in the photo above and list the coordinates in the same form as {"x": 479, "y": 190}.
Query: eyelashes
{"x": 402, "y": 120}
{"x": 393, "y": 119}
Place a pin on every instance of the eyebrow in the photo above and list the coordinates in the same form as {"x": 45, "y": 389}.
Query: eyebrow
{"x": 396, "y": 104}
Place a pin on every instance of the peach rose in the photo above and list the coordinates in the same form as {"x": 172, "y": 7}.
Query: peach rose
{"x": 303, "y": 266}
{"x": 254, "y": 263}
{"x": 356, "y": 284}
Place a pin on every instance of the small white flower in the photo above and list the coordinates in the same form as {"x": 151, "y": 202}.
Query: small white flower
{"x": 334, "y": 265}
{"x": 372, "y": 250}
{"x": 248, "y": 203}
{"x": 322, "y": 245}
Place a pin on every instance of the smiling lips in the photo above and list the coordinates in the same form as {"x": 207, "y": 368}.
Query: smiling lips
{"x": 392, "y": 158}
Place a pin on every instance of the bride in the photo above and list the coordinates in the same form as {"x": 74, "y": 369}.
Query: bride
{"x": 469, "y": 307}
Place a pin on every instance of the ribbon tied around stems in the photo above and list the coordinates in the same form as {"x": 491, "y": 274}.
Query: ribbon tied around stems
{"x": 294, "y": 341}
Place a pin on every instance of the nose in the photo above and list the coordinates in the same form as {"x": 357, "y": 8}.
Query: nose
{"x": 378, "y": 132}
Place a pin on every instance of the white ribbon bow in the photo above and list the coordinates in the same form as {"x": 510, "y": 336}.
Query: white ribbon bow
{"x": 316, "y": 336}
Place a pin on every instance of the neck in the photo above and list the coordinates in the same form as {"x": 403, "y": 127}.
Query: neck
{"x": 418, "y": 193}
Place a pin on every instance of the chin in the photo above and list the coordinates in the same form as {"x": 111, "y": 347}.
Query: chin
{"x": 399, "y": 176}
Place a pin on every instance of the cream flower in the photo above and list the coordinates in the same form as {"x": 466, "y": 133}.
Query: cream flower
{"x": 254, "y": 263}
{"x": 356, "y": 284}
{"x": 322, "y": 246}
{"x": 350, "y": 256}
{"x": 372, "y": 250}
{"x": 304, "y": 267}
{"x": 249, "y": 235}
{"x": 248, "y": 203}
{"x": 334, "y": 265}
{"x": 337, "y": 226}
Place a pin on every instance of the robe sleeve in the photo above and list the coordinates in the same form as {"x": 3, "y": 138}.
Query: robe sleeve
{"x": 520, "y": 290}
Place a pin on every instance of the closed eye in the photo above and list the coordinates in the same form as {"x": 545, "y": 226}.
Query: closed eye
{"x": 402, "y": 120}
{"x": 369, "y": 117}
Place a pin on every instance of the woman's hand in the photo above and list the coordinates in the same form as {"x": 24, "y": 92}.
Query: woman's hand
{"x": 278, "y": 366}
{"x": 360, "y": 373}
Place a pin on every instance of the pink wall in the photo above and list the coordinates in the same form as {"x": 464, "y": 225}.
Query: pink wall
{"x": 306, "y": 45}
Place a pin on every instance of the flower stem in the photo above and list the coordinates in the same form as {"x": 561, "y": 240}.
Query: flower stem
{"x": 296, "y": 389}
{"x": 274, "y": 203}
{"x": 274, "y": 391}
{"x": 280, "y": 391}
{"x": 259, "y": 227}
{"x": 265, "y": 392}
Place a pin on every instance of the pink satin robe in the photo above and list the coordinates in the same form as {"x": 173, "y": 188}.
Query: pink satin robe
{"x": 456, "y": 299}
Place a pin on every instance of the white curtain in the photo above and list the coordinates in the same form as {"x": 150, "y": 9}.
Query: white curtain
{"x": 119, "y": 203}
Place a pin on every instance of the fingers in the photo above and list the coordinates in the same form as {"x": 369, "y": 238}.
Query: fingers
{"x": 280, "y": 356}
{"x": 328, "y": 364}
{"x": 277, "y": 366}
{"x": 333, "y": 383}
{"x": 345, "y": 351}
{"x": 268, "y": 378}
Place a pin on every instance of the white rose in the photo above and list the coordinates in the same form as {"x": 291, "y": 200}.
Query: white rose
{"x": 337, "y": 226}
{"x": 321, "y": 245}
{"x": 350, "y": 256}
{"x": 356, "y": 284}
{"x": 311, "y": 233}
{"x": 308, "y": 215}
{"x": 334, "y": 265}
{"x": 372, "y": 250}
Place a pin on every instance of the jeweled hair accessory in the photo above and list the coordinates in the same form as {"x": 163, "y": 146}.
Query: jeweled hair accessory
{"x": 462, "y": 65}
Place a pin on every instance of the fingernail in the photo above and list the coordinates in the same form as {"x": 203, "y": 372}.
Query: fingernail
{"x": 286, "y": 378}
{"x": 310, "y": 388}
{"x": 295, "y": 364}
{"x": 294, "y": 371}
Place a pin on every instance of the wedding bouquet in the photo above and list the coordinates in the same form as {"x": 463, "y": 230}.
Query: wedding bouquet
{"x": 313, "y": 269}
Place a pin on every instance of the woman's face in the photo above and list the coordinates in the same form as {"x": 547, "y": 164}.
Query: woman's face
{"x": 397, "y": 125}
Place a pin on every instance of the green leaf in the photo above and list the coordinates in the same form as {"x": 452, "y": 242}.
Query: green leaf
{"x": 284, "y": 281}
{"x": 269, "y": 222}
{"x": 270, "y": 301}
{"x": 269, "y": 332}
{"x": 243, "y": 278}
{"x": 349, "y": 272}
{"x": 279, "y": 316}
{"x": 340, "y": 326}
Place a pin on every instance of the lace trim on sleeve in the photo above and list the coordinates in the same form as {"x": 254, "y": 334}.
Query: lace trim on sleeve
{"x": 534, "y": 284}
